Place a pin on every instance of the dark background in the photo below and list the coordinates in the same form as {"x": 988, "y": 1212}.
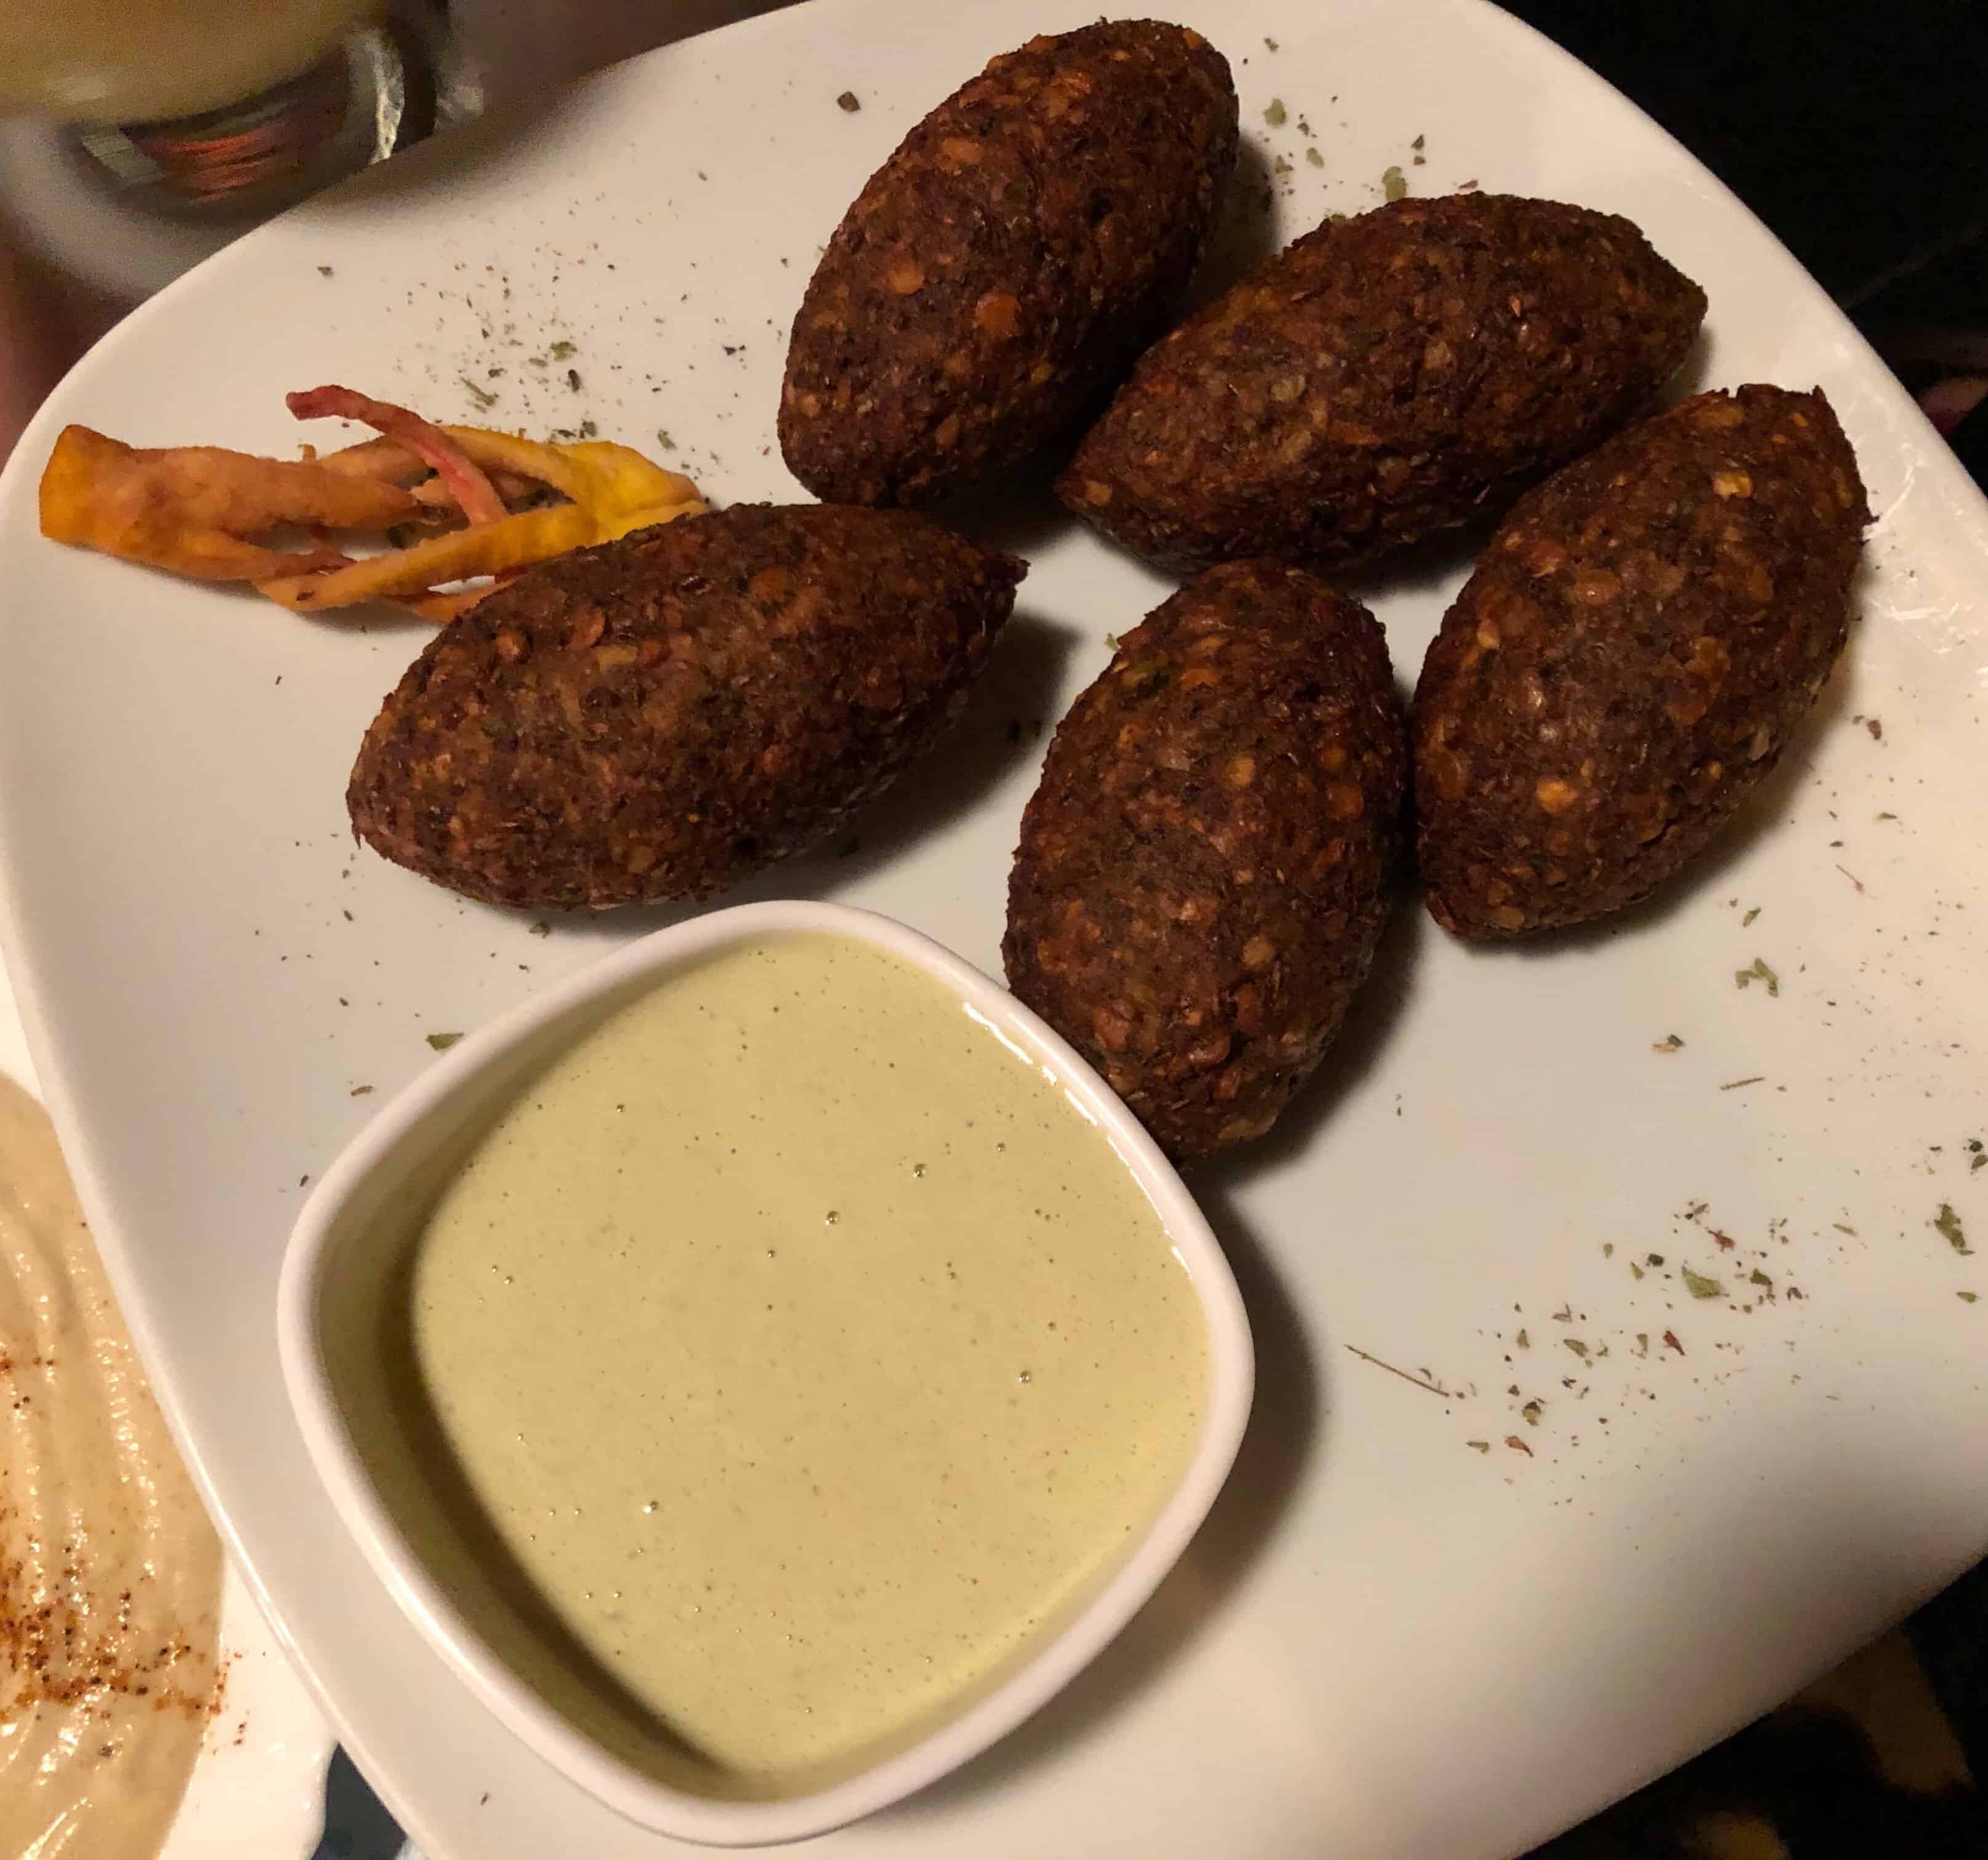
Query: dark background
{"x": 1859, "y": 132}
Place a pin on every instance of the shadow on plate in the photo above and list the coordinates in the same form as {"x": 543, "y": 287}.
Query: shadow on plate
{"x": 1692, "y": 371}
{"x": 1436, "y": 566}
{"x": 1280, "y": 1441}
{"x": 1014, "y": 509}
{"x": 1246, "y": 230}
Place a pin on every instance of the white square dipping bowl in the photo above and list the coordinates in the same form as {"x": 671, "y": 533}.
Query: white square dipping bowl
{"x": 356, "y": 1226}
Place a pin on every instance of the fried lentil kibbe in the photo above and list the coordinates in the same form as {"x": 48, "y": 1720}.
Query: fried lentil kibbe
{"x": 661, "y": 716}
{"x": 1385, "y": 378}
{"x": 1203, "y": 872}
{"x": 995, "y": 278}
{"x": 1637, "y": 646}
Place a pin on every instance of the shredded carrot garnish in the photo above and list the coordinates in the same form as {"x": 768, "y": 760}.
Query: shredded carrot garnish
{"x": 480, "y": 503}
{"x": 208, "y": 513}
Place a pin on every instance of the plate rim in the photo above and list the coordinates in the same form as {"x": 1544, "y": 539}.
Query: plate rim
{"x": 1968, "y": 514}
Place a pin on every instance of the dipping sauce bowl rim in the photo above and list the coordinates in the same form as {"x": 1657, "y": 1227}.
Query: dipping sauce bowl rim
{"x": 423, "y": 1597}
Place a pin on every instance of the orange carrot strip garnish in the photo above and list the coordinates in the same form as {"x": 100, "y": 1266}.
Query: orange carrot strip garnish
{"x": 190, "y": 508}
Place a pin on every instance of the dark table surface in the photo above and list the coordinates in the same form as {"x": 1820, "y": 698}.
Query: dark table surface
{"x": 1858, "y": 133}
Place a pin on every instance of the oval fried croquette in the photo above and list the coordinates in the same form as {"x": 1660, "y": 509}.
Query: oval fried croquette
{"x": 996, "y": 278}
{"x": 1203, "y": 873}
{"x": 1385, "y": 378}
{"x": 1635, "y": 650}
{"x": 661, "y": 716}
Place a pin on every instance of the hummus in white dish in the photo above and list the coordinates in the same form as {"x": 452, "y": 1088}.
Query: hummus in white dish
{"x": 109, "y": 1572}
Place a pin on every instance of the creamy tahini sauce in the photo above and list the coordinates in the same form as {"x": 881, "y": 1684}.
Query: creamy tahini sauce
{"x": 806, "y": 1349}
{"x": 109, "y": 1572}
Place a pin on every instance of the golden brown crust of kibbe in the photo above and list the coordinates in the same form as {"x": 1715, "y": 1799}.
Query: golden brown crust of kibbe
{"x": 660, "y": 717}
{"x": 1637, "y": 646}
{"x": 1385, "y": 378}
{"x": 1203, "y": 872}
{"x": 996, "y": 278}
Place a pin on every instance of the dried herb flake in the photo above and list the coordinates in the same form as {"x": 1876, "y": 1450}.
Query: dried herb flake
{"x": 1669, "y": 1043}
{"x": 849, "y": 101}
{"x": 1394, "y": 186}
{"x": 1700, "y": 1287}
{"x": 1947, "y": 1223}
{"x": 1759, "y": 972}
{"x": 442, "y": 1042}
{"x": 1274, "y": 113}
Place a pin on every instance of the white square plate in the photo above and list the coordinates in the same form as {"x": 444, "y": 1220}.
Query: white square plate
{"x": 1387, "y": 1642}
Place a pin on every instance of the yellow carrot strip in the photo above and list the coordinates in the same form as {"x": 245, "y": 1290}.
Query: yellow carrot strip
{"x": 513, "y": 542}
{"x": 595, "y": 472}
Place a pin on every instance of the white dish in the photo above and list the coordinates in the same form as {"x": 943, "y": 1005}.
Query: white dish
{"x": 257, "y": 1784}
{"x": 393, "y": 1163}
{"x": 1384, "y": 1642}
